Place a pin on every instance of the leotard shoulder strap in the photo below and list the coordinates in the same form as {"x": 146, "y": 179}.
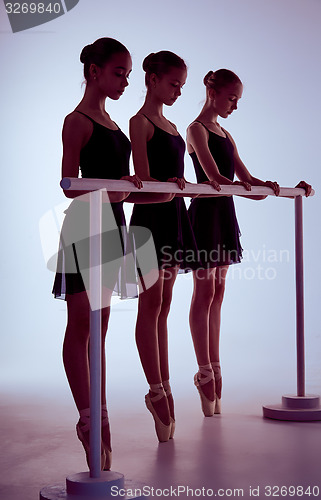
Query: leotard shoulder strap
{"x": 198, "y": 121}
{"x": 94, "y": 121}
{"x": 210, "y": 131}
{"x": 149, "y": 120}
{"x": 84, "y": 114}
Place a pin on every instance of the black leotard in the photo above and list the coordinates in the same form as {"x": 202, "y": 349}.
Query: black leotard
{"x": 168, "y": 222}
{"x": 214, "y": 220}
{"x": 105, "y": 156}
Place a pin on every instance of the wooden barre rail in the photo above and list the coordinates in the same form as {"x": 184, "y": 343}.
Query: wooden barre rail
{"x": 85, "y": 184}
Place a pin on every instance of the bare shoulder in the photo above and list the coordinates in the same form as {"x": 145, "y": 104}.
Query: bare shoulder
{"x": 140, "y": 125}
{"x": 77, "y": 122}
{"x": 77, "y": 130}
{"x": 194, "y": 125}
{"x": 196, "y": 135}
{"x": 139, "y": 120}
{"x": 196, "y": 129}
{"x": 78, "y": 118}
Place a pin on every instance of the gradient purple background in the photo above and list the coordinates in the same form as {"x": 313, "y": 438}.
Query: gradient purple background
{"x": 274, "y": 46}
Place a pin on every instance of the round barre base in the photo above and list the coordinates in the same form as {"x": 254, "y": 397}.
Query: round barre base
{"x": 82, "y": 487}
{"x": 295, "y": 409}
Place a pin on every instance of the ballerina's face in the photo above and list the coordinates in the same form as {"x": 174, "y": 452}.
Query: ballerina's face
{"x": 225, "y": 100}
{"x": 167, "y": 88}
{"x": 112, "y": 78}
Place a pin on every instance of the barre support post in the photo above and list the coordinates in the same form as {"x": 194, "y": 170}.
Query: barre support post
{"x": 95, "y": 291}
{"x": 299, "y": 296}
{"x": 299, "y": 407}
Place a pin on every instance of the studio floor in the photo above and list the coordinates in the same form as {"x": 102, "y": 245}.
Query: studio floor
{"x": 235, "y": 454}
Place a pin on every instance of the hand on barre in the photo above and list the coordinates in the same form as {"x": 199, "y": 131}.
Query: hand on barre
{"x": 134, "y": 179}
{"x": 307, "y": 187}
{"x": 180, "y": 181}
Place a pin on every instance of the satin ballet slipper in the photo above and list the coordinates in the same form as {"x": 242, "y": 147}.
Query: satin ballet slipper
{"x": 208, "y": 406}
{"x": 106, "y": 442}
{"x": 82, "y": 429}
{"x": 168, "y": 392}
{"x": 218, "y": 386}
{"x": 163, "y": 431}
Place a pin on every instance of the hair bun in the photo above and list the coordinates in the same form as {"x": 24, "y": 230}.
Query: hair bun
{"x": 208, "y": 76}
{"x": 148, "y": 61}
{"x": 85, "y": 53}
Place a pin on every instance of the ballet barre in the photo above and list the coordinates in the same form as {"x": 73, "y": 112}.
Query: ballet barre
{"x": 299, "y": 407}
{"x": 78, "y": 184}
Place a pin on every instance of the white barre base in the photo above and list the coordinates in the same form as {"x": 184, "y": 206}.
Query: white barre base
{"x": 81, "y": 486}
{"x": 295, "y": 408}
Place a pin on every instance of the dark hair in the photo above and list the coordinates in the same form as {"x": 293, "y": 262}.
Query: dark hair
{"x": 99, "y": 53}
{"x": 219, "y": 79}
{"x": 160, "y": 63}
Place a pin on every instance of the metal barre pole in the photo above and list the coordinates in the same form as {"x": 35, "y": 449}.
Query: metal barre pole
{"x": 299, "y": 296}
{"x": 300, "y": 407}
{"x": 79, "y": 184}
{"x": 95, "y": 292}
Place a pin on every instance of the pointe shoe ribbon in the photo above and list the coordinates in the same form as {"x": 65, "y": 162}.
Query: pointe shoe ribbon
{"x": 168, "y": 392}
{"x": 208, "y": 406}
{"x": 82, "y": 427}
{"x": 106, "y": 444}
{"x": 162, "y": 430}
{"x": 218, "y": 386}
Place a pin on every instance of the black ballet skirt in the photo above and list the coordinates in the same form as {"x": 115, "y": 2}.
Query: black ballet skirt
{"x": 168, "y": 222}
{"x": 213, "y": 219}
{"x": 105, "y": 156}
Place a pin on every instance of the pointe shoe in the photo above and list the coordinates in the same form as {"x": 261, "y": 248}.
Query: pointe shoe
{"x": 168, "y": 392}
{"x": 208, "y": 406}
{"x": 163, "y": 431}
{"x": 218, "y": 386}
{"x": 82, "y": 428}
{"x": 106, "y": 442}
